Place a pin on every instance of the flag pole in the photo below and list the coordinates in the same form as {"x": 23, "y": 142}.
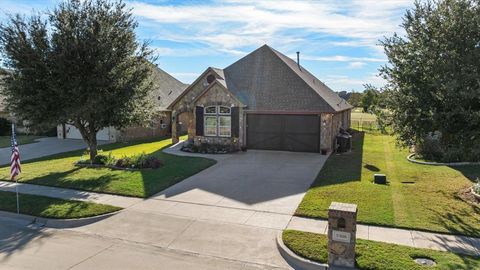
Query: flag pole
{"x": 16, "y": 181}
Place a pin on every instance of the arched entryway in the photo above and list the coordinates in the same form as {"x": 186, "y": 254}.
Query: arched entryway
{"x": 183, "y": 124}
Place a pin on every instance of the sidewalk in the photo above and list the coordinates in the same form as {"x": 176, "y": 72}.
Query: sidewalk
{"x": 277, "y": 221}
{"x": 418, "y": 239}
{"x": 70, "y": 194}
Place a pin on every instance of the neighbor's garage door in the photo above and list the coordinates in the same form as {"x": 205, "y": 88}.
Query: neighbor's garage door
{"x": 283, "y": 132}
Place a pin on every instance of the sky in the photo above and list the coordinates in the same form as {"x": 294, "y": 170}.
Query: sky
{"x": 338, "y": 40}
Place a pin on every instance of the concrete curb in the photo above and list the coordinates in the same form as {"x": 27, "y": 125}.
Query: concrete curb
{"x": 296, "y": 261}
{"x": 56, "y": 223}
{"x": 475, "y": 194}
{"x": 411, "y": 159}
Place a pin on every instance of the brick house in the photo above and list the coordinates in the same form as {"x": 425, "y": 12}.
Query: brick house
{"x": 166, "y": 89}
{"x": 265, "y": 100}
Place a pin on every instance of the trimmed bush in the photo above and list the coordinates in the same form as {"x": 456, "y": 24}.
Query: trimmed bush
{"x": 140, "y": 161}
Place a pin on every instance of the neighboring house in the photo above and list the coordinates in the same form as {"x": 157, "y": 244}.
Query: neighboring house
{"x": 166, "y": 89}
{"x": 263, "y": 101}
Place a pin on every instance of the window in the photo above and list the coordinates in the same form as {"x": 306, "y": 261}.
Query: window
{"x": 218, "y": 121}
{"x": 224, "y": 110}
{"x": 224, "y": 126}
{"x": 211, "y": 110}
{"x": 210, "y": 126}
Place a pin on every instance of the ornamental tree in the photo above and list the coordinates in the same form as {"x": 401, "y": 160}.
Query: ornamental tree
{"x": 80, "y": 64}
{"x": 433, "y": 75}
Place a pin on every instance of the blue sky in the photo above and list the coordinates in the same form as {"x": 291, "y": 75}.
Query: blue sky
{"x": 338, "y": 40}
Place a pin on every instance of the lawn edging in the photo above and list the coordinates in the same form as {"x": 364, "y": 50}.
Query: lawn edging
{"x": 475, "y": 194}
{"x": 413, "y": 160}
{"x": 56, "y": 223}
{"x": 296, "y": 261}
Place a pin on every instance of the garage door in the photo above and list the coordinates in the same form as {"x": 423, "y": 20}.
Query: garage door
{"x": 73, "y": 133}
{"x": 283, "y": 132}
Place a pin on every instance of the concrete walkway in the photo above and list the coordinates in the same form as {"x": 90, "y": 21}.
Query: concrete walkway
{"x": 412, "y": 238}
{"x": 70, "y": 194}
{"x": 142, "y": 208}
{"x": 43, "y": 147}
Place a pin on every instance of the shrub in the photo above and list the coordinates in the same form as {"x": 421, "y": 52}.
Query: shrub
{"x": 455, "y": 155}
{"x": 105, "y": 159}
{"x": 5, "y": 127}
{"x": 140, "y": 161}
{"x": 430, "y": 149}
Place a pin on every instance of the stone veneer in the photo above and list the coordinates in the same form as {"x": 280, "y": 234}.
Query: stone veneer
{"x": 216, "y": 95}
{"x": 330, "y": 126}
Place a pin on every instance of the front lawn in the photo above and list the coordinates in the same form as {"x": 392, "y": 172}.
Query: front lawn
{"x": 47, "y": 207}
{"x": 417, "y": 196}
{"x": 5, "y": 141}
{"x": 59, "y": 170}
{"x": 373, "y": 255}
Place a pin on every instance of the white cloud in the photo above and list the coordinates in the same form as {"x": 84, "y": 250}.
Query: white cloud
{"x": 356, "y": 65}
{"x": 344, "y": 82}
{"x": 342, "y": 58}
{"x": 235, "y": 24}
{"x": 185, "y": 77}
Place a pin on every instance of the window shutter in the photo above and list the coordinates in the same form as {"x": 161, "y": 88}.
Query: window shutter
{"x": 199, "y": 121}
{"x": 235, "y": 122}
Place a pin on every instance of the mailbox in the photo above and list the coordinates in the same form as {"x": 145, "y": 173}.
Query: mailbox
{"x": 342, "y": 229}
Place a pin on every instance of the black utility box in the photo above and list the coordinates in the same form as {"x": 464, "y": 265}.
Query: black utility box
{"x": 344, "y": 142}
{"x": 380, "y": 179}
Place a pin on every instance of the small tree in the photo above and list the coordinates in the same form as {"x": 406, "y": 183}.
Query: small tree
{"x": 355, "y": 99}
{"x": 370, "y": 98}
{"x": 81, "y": 66}
{"x": 433, "y": 76}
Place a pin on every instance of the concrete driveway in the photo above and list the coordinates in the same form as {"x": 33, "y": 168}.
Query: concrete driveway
{"x": 225, "y": 217}
{"x": 232, "y": 210}
{"x": 43, "y": 147}
{"x": 270, "y": 181}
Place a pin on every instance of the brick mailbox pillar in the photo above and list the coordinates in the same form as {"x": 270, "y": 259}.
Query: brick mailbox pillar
{"x": 342, "y": 229}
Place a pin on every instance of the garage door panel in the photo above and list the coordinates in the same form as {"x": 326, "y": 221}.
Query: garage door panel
{"x": 283, "y": 132}
{"x": 298, "y": 124}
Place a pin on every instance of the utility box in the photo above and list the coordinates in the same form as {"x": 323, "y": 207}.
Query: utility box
{"x": 342, "y": 230}
{"x": 380, "y": 179}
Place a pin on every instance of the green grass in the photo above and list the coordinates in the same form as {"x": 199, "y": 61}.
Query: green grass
{"x": 417, "y": 196}
{"x": 359, "y": 115}
{"x": 47, "y": 207}
{"x": 59, "y": 170}
{"x": 373, "y": 255}
{"x": 21, "y": 139}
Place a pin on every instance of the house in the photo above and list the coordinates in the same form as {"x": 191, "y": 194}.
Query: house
{"x": 263, "y": 101}
{"x": 166, "y": 89}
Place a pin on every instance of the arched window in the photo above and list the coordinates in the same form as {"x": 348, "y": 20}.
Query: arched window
{"x": 218, "y": 121}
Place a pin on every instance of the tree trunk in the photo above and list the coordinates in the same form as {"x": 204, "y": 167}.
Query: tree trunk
{"x": 89, "y": 135}
{"x": 92, "y": 144}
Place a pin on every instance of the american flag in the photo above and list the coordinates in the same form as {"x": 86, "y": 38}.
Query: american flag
{"x": 15, "y": 158}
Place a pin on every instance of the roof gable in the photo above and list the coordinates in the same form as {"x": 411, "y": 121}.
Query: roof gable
{"x": 266, "y": 80}
{"x": 166, "y": 88}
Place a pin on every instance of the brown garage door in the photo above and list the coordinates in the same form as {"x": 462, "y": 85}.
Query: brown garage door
{"x": 283, "y": 132}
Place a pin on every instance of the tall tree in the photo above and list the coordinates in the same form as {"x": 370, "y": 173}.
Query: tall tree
{"x": 81, "y": 65}
{"x": 433, "y": 75}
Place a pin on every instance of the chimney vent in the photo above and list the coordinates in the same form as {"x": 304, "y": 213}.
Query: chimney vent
{"x": 298, "y": 59}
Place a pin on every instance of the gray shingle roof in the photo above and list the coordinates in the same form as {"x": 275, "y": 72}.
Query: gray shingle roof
{"x": 166, "y": 88}
{"x": 267, "y": 80}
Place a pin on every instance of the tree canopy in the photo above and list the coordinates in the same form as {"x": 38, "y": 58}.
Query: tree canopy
{"x": 433, "y": 75}
{"x": 80, "y": 65}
